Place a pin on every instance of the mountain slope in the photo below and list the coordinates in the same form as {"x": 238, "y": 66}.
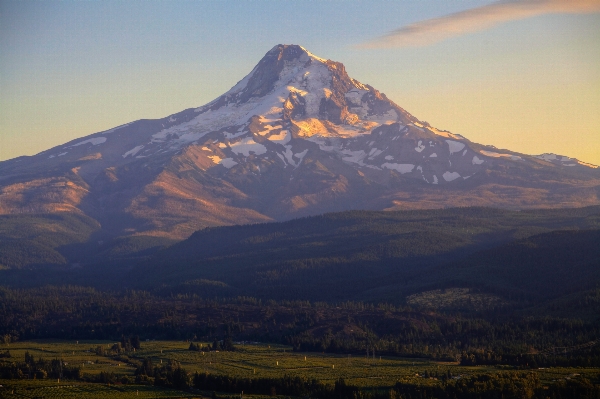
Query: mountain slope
{"x": 541, "y": 266}
{"x": 296, "y": 137}
{"x": 377, "y": 255}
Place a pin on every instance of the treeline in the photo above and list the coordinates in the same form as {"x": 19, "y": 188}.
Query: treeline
{"x": 589, "y": 357}
{"x": 510, "y": 341}
{"x": 483, "y": 386}
{"x": 346, "y": 328}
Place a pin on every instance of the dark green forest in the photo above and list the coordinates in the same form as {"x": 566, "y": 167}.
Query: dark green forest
{"x": 474, "y": 285}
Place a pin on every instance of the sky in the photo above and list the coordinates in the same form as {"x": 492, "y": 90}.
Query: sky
{"x": 520, "y": 75}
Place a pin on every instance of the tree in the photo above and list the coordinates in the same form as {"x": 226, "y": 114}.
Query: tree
{"x": 135, "y": 342}
{"x": 228, "y": 344}
{"x": 146, "y": 368}
{"x": 181, "y": 379}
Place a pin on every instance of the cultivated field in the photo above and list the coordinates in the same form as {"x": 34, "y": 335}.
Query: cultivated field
{"x": 249, "y": 360}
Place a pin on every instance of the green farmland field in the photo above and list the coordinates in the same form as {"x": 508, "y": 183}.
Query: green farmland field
{"x": 248, "y": 361}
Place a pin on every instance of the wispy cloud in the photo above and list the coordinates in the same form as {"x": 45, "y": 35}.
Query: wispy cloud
{"x": 437, "y": 29}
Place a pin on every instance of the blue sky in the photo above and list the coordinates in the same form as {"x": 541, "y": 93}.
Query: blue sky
{"x": 72, "y": 68}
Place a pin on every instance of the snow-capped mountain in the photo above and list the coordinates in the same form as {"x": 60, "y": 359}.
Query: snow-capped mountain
{"x": 297, "y": 136}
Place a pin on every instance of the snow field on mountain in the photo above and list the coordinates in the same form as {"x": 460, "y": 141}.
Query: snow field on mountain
{"x": 133, "y": 151}
{"x": 246, "y": 146}
{"x": 420, "y": 147}
{"x": 399, "y": 167}
{"x": 283, "y": 137}
{"x": 92, "y": 141}
{"x": 374, "y": 153}
{"x": 455, "y": 146}
{"x": 228, "y": 163}
{"x": 389, "y": 117}
{"x": 498, "y": 155}
{"x": 477, "y": 161}
{"x": 450, "y": 176}
{"x": 553, "y": 157}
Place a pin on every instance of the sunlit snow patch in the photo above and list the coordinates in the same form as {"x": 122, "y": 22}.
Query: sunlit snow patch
{"x": 589, "y": 165}
{"x": 282, "y": 138}
{"x": 498, "y": 155}
{"x": 215, "y": 158}
{"x": 247, "y": 145}
{"x": 443, "y": 133}
{"x": 268, "y": 129}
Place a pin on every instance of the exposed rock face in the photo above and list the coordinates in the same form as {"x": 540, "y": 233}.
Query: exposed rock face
{"x": 295, "y": 137}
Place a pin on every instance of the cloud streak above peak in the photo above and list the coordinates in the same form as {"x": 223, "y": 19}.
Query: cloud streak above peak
{"x": 434, "y": 30}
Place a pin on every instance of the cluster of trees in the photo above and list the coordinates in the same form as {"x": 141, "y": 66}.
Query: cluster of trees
{"x": 170, "y": 375}
{"x": 126, "y": 345}
{"x": 39, "y": 369}
{"x": 225, "y": 345}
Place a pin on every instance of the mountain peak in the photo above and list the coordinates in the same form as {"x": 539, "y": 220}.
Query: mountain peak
{"x": 297, "y": 136}
{"x": 296, "y": 84}
{"x": 292, "y": 51}
{"x": 268, "y": 72}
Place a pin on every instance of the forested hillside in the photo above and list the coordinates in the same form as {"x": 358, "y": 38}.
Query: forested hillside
{"x": 386, "y": 256}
